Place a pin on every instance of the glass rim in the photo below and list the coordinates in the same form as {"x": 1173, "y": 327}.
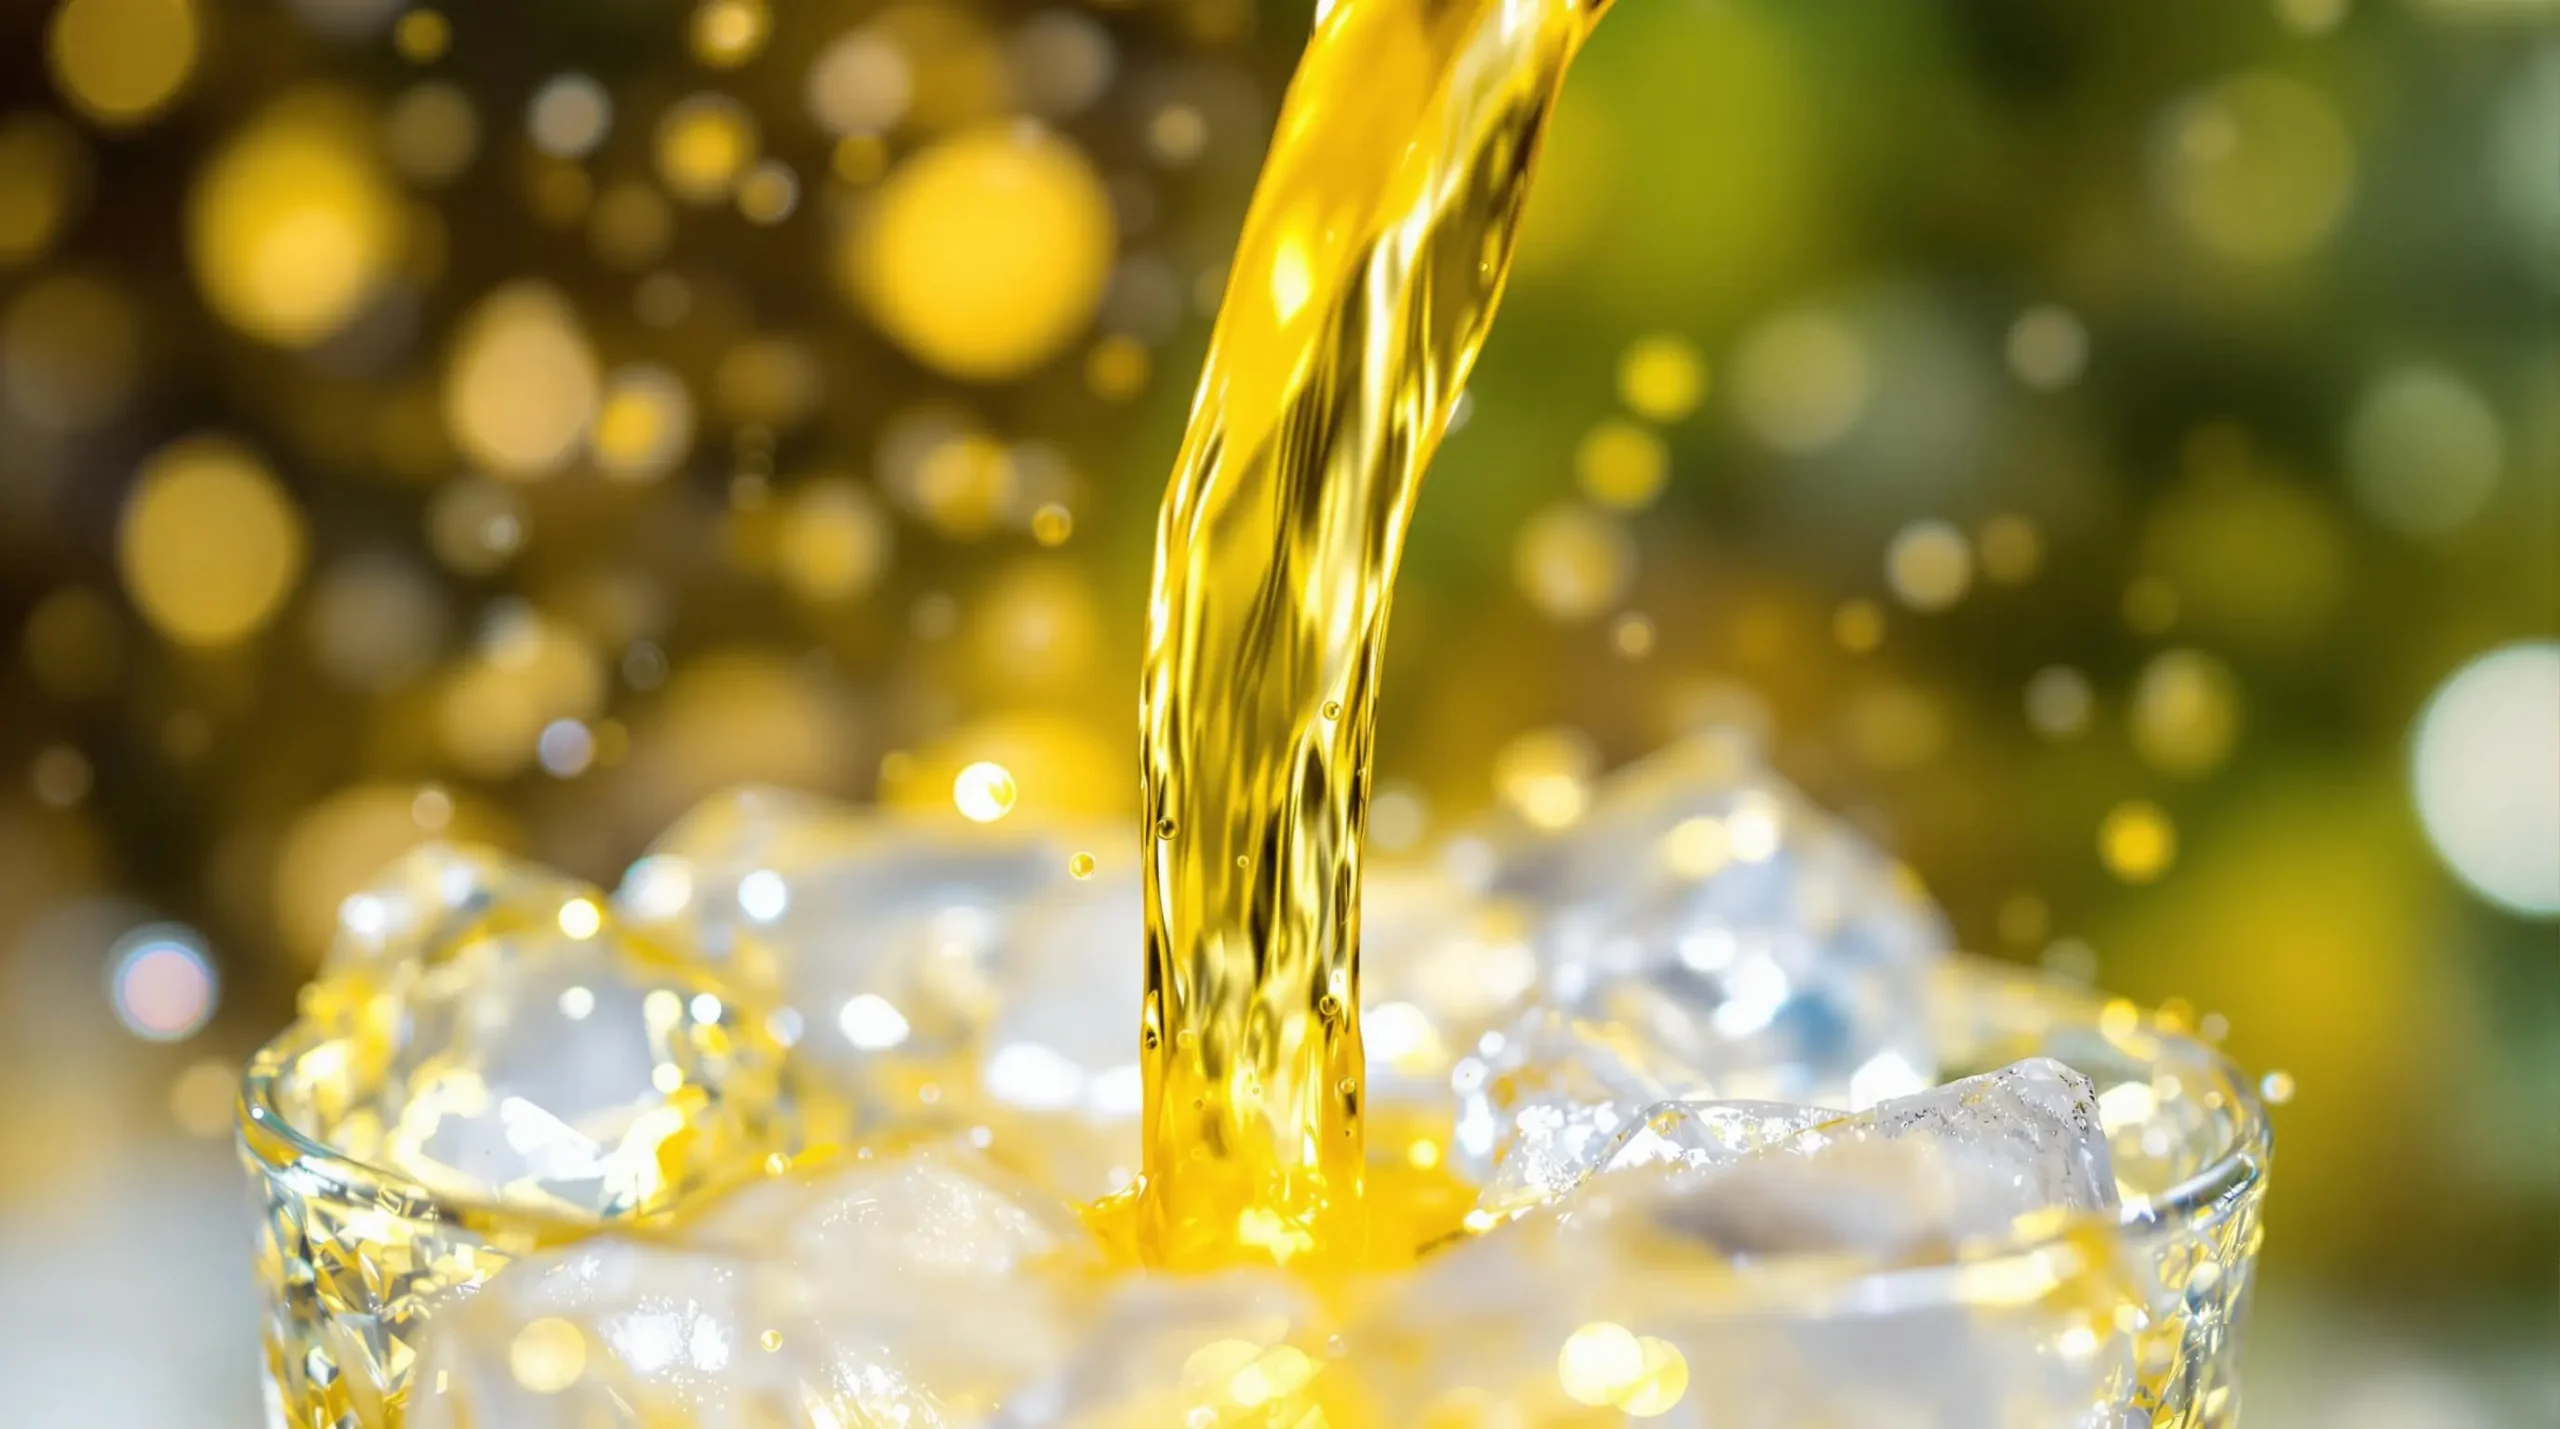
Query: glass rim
{"x": 2230, "y": 1176}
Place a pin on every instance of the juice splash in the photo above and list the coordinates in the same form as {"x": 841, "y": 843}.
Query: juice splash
{"x": 1372, "y": 258}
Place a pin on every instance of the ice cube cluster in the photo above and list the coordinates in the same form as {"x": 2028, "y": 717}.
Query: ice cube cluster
{"x": 875, "y": 1066}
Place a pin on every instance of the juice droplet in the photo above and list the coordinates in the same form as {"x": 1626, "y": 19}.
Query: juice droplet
{"x": 1333, "y": 709}
{"x": 1164, "y": 828}
{"x": 773, "y": 1339}
{"x": 1081, "y": 865}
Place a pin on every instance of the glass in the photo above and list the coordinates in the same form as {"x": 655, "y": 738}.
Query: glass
{"x": 355, "y": 1261}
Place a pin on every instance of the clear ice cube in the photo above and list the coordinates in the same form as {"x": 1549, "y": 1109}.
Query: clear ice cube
{"x": 575, "y": 1071}
{"x": 424, "y": 905}
{"x": 917, "y": 1290}
{"x": 880, "y": 931}
{"x": 1700, "y": 1135}
{"x": 1541, "y": 1101}
{"x": 1058, "y": 1074}
{"x": 607, "y": 1332}
{"x": 1439, "y": 967}
{"x": 1759, "y": 941}
{"x": 1670, "y": 1284}
{"x": 939, "y": 1212}
{"x": 1919, "y": 1175}
{"x": 1242, "y": 1348}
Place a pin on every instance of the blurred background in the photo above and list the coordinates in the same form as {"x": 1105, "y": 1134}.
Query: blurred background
{"x": 2112, "y": 451}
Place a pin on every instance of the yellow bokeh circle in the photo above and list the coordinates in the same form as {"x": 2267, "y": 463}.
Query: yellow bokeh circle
{"x": 704, "y": 143}
{"x": 1573, "y": 562}
{"x": 2259, "y": 167}
{"x": 1621, "y": 465}
{"x": 1661, "y": 378}
{"x": 293, "y": 226}
{"x": 121, "y": 61}
{"x": 210, "y": 544}
{"x": 44, "y": 177}
{"x": 522, "y": 384}
{"x": 986, "y": 253}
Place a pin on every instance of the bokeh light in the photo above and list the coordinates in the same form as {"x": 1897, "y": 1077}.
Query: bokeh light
{"x": 70, "y": 353}
{"x": 2257, "y": 166}
{"x": 984, "y": 792}
{"x": 1544, "y": 775}
{"x": 2059, "y": 701}
{"x": 432, "y": 132}
{"x": 475, "y": 526}
{"x": 569, "y": 116}
{"x": 1929, "y": 565}
{"x": 1662, "y": 378}
{"x": 203, "y": 1096}
{"x": 75, "y": 644}
{"x": 985, "y": 253}
{"x": 2424, "y": 452}
{"x": 122, "y": 61}
{"x": 705, "y": 142}
{"x": 728, "y": 33}
{"x": 2048, "y": 347}
{"x": 521, "y": 385}
{"x": 1062, "y": 62}
{"x": 1801, "y": 381}
{"x": 528, "y": 671}
{"x": 2011, "y": 549}
{"x": 2485, "y": 771}
{"x": 2185, "y": 712}
{"x": 1621, "y": 465}
{"x": 1599, "y": 1363}
{"x": 161, "y": 982}
{"x": 547, "y": 1356}
{"x": 859, "y": 84}
{"x": 44, "y": 183}
{"x": 2137, "y": 842}
{"x": 376, "y": 621}
{"x": 1572, "y": 561}
{"x": 956, "y": 63}
{"x": 644, "y": 423}
{"x": 293, "y": 227}
{"x": 1036, "y": 627}
{"x": 209, "y": 544}
{"x": 422, "y": 35}
{"x": 834, "y": 540}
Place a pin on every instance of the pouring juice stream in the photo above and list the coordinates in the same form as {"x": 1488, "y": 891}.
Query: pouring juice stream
{"x": 1372, "y": 257}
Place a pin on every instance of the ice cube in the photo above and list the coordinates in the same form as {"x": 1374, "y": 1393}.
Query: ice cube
{"x": 1699, "y": 1135}
{"x": 879, "y": 930}
{"x": 916, "y": 1290}
{"x": 1439, "y": 968}
{"x": 2023, "y": 1139}
{"x": 607, "y": 1332}
{"x": 1242, "y": 1348}
{"x": 935, "y": 1266}
{"x": 425, "y": 905}
{"x": 1472, "y": 1336}
{"x": 1672, "y": 1286}
{"x": 940, "y": 1211}
{"x": 1058, "y": 1074}
{"x": 1753, "y": 937}
{"x": 576, "y": 1071}
{"x": 1957, "y": 1164}
{"x": 1541, "y": 1102}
